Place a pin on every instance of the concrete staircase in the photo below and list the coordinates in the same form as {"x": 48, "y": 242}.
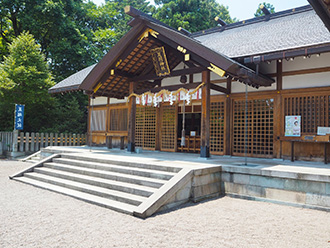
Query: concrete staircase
{"x": 130, "y": 187}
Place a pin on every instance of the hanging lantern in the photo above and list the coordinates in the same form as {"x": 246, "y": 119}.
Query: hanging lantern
{"x": 183, "y": 79}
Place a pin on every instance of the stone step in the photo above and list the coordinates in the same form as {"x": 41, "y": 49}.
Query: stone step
{"x": 128, "y": 178}
{"x": 96, "y": 181}
{"x": 164, "y": 175}
{"x": 124, "y": 161}
{"x": 88, "y": 188}
{"x": 97, "y": 200}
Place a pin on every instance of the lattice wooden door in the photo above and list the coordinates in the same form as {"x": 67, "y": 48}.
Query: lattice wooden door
{"x": 217, "y": 127}
{"x": 313, "y": 109}
{"x": 260, "y": 124}
{"x": 145, "y": 127}
{"x": 168, "y": 128}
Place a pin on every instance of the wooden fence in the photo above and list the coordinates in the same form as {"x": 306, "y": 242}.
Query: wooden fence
{"x": 32, "y": 142}
{"x": 6, "y": 141}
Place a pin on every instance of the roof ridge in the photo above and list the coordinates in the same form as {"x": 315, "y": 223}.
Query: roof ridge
{"x": 253, "y": 20}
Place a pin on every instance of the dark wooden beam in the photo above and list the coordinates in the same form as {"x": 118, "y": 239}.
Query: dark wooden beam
{"x": 219, "y": 88}
{"x": 229, "y": 83}
{"x": 172, "y": 74}
{"x": 205, "y": 116}
{"x": 279, "y": 75}
{"x": 290, "y": 54}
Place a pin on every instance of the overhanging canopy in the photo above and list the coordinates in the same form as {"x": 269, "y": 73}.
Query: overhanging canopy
{"x": 131, "y": 60}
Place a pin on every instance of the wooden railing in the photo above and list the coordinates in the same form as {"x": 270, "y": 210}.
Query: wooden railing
{"x": 31, "y": 142}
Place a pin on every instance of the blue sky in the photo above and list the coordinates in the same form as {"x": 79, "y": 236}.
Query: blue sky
{"x": 244, "y": 9}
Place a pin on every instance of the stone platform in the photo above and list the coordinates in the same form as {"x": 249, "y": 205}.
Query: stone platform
{"x": 301, "y": 184}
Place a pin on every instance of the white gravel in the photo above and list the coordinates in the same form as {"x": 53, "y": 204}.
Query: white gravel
{"x": 32, "y": 217}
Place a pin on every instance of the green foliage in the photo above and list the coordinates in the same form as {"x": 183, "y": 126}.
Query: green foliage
{"x": 193, "y": 15}
{"x": 268, "y": 6}
{"x": 25, "y": 79}
{"x": 69, "y": 36}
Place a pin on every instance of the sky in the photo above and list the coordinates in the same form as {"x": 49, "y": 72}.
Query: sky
{"x": 245, "y": 9}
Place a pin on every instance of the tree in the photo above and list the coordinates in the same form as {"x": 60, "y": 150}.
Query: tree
{"x": 268, "y": 6}
{"x": 193, "y": 15}
{"x": 25, "y": 79}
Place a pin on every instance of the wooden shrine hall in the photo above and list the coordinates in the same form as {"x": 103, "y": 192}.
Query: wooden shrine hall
{"x": 142, "y": 59}
{"x": 225, "y": 91}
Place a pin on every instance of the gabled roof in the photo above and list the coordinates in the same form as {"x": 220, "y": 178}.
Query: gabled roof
{"x": 130, "y": 59}
{"x": 72, "y": 82}
{"x": 282, "y": 31}
{"x": 322, "y": 8}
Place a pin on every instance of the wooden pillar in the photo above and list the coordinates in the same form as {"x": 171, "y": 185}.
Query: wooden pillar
{"x": 158, "y": 129}
{"x": 228, "y": 131}
{"x": 131, "y": 119}
{"x": 279, "y": 78}
{"x": 278, "y": 112}
{"x": 205, "y": 120}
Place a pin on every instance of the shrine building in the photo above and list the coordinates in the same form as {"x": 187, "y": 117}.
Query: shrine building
{"x": 257, "y": 88}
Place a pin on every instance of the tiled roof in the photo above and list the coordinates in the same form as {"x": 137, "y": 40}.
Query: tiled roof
{"x": 295, "y": 29}
{"x": 73, "y": 82}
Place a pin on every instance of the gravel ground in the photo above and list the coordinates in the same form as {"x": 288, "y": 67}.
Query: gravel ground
{"x": 32, "y": 217}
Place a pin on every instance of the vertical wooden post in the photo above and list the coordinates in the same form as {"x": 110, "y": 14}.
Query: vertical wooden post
{"x": 37, "y": 145}
{"x": 27, "y": 141}
{"x": 21, "y": 143}
{"x": 33, "y": 138}
{"x": 56, "y": 139}
{"x": 61, "y": 139}
{"x": 15, "y": 143}
{"x": 51, "y": 142}
{"x": 78, "y": 139}
{"x": 205, "y": 121}
{"x": 131, "y": 119}
{"x": 74, "y": 141}
{"x": 46, "y": 139}
{"x": 158, "y": 129}
{"x": 279, "y": 78}
{"x": 41, "y": 140}
{"x": 228, "y": 131}
{"x": 278, "y": 112}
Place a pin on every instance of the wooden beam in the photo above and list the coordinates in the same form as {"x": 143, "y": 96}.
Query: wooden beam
{"x": 205, "y": 116}
{"x": 219, "y": 88}
{"x": 279, "y": 76}
{"x": 228, "y": 121}
{"x": 131, "y": 119}
{"x": 229, "y": 83}
{"x": 172, "y": 74}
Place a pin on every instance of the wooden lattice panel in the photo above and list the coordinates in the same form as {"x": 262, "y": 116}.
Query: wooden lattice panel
{"x": 314, "y": 111}
{"x": 118, "y": 119}
{"x": 257, "y": 139}
{"x": 139, "y": 126}
{"x": 217, "y": 127}
{"x": 145, "y": 127}
{"x": 168, "y": 132}
{"x": 150, "y": 127}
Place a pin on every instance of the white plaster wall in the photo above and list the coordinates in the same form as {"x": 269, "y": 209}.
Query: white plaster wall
{"x": 299, "y": 63}
{"x": 101, "y": 100}
{"x": 307, "y": 80}
{"x": 115, "y": 100}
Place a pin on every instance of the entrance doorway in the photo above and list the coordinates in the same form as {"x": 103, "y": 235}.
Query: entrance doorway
{"x": 192, "y": 132}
